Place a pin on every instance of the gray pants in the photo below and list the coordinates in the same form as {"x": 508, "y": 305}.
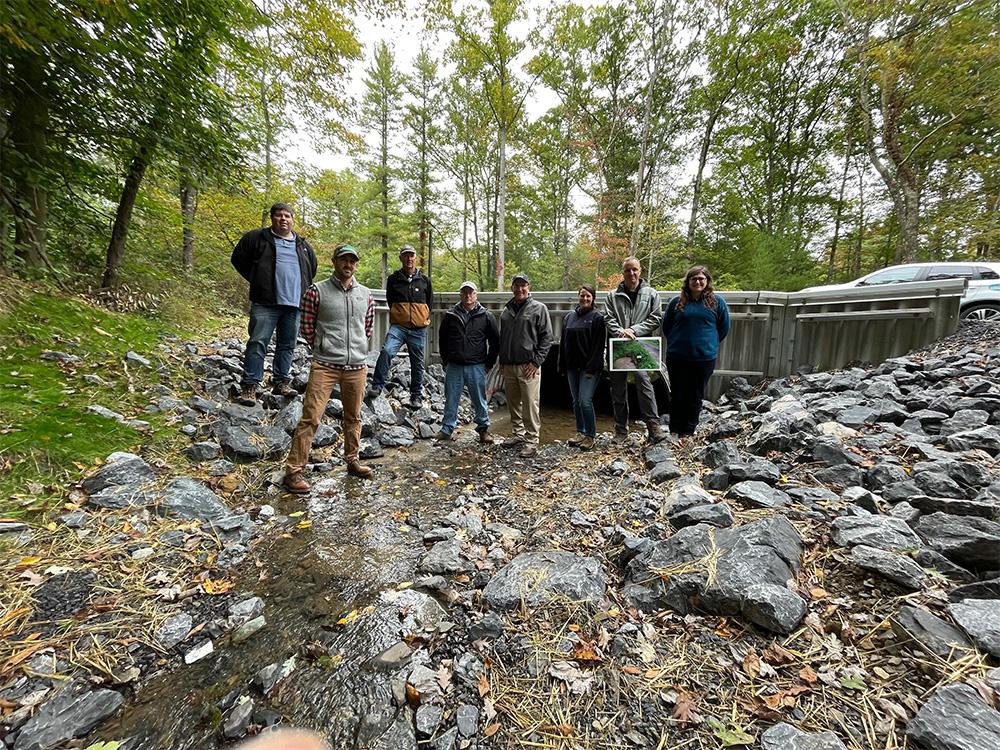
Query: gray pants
{"x": 619, "y": 397}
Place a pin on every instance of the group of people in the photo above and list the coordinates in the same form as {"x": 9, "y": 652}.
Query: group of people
{"x": 336, "y": 318}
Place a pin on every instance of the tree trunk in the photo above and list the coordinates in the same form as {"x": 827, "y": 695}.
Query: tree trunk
{"x": 123, "y": 216}
{"x": 831, "y": 268}
{"x": 189, "y": 205}
{"x": 501, "y": 209}
{"x": 644, "y": 146}
{"x": 26, "y": 159}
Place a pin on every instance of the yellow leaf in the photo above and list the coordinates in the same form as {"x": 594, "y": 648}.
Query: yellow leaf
{"x": 304, "y": 524}
{"x": 403, "y": 585}
{"x": 29, "y": 560}
{"x": 297, "y": 514}
{"x": 404, "y": 528}
{"x": 216, "y": 586}
{"x": 51, "y": 526}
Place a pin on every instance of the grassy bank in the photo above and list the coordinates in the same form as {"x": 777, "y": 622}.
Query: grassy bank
{"x": 47, "y": 436}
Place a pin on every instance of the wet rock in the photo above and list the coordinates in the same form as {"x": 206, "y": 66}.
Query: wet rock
{"x": 428, "y": 719}
{"x": 268, "y": 677}
{"x": 881, "y": 532}
{"x": 394, "y": 657}
{"x": 199, "y": 652}
{"x": 417, "y": 611}
{"x": 537, "y": 577}
{"x": 236, "y": 723}
{"x": 685, "y": 495}
{"x": 203, "y": 451}
{"x": 755, "y": 494}
{"x": 72, "y": 713}
{"x": 989, "y": 589}
{"x": 967, "y": 540}
{"x": 470, "y": 522}
{"x": 980, "y": 618}
{"x": 187, "y": 498}
{"x": 370, "y": 449}
{"x": 757, "y": 469}
{"x": 928, "y": 632}
{"x": 289, "y": 415}
{"x": 119, "y": 470}
{"x": 325, "y": 435}
{"x": 447, "y": 740}
{"x": 444, "y": 558}
{"x": 895, "y": 567}
{"x": 786, "y": 737}
{"x": 249, "y": 628}
{"x": 245, "y": 610}
{"x": 956, "y": 718}
{"x": 467, "y": 720}
{"x": 396, "y": 437}
{"x": 716, "y": 514}
{"x": 244, "y": 443}
{"x": 174, "y": 630}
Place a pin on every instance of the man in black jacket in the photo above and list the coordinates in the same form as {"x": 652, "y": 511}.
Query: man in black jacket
{"x": 469, "y": 344}
{"x": 279, "y": 265}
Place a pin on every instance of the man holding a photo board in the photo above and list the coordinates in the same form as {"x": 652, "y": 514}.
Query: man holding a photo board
{"x": 633, "y": 311}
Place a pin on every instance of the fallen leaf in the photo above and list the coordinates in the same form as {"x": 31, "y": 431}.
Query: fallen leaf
{"x": 808, "y": 675}
{"x": 577, "y": 681}
{"x": 491, "y": 730}
{"x": 631, "y": 669}
{"x": 729, "y": 737}
{"x": 26, "y": 561}
{"x": 444, "y": 677}
{"x": 685, "y": 711}
{"x": 777, "y": 654}
{"x": 751, "y": 664}
{"x": 482, "y": 685}
{"x": 853, "y": 683}
{"x": 216, "y": 586}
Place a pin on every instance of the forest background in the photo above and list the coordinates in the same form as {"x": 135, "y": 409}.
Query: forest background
{"x": 783, "y": 143}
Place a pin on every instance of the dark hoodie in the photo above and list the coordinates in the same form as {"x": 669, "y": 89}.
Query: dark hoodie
{"x": 581, "y": 346}
{"x": 469, "y": 338}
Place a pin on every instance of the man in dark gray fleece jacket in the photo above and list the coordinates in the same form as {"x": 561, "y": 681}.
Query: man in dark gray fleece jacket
{"x": 525, "y": 340}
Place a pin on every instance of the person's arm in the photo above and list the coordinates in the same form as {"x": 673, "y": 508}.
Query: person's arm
{"x": 668, "y": 318}
{"x": 653, "y": 319}
{"x": 430, "y": 294}
{"x": 561, "y": 362}
{"x": 545, "y": 338}
{"x": 309, "y": 307}
{"x": 596, "y": 363}
{"x": 492, "y": 340}
{"x": 243, "y": 255}
{"x": 370, "y": 316}
{"x": 722, "y": 319}
{"x": 611, "y": 318}
{"x": 313, "y": 264}
{"x": 443, "y": 339}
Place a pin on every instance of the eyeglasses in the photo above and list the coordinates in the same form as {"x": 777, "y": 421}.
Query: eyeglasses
{"x": 699, "y": 278}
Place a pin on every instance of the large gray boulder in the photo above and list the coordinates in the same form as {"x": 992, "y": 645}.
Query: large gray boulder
{"x": 985, "y": 438}
{"x": 956, "y": 718}
{"x": 243, "y": 443}
{"x": 786, "y": 737}
{"x": 881, "y": 532}
{"x": 188, "y": 498}
{"x": 70, "y": 714}
{"x": 716, "y": 570}
{"x": 538, "y": 577}
{"x": 897, "y": 568}
{"x": 980, "y": 618}
{"x": 929, "y": 632}
{"x": 967, "y": 540}
{"x": 120, "y": 469}
{"x": 756, "y": 494}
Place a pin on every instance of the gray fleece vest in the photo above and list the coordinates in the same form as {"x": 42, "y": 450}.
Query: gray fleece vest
{"x": 340, "y": 324}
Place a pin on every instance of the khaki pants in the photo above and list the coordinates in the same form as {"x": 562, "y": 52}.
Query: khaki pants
{"x": 522, "y": 399}
{"x": 321, "y": 383}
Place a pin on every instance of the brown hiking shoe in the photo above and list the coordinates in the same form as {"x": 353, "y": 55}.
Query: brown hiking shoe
{"x": 485, "y": 436}
{"x": 529, "y": 451}
{"x": 576, "y": 439}
{"x": 294, "y": 482}
{"x": 655, "y": 431}
{"x": 248, "y": 395}
{"x": 514, "y": 441}
{"x": 358, "y": 469}
{"x": 283, "y": 388}
{"x": 444, "y": 437}
{"x": 586, "y": 444}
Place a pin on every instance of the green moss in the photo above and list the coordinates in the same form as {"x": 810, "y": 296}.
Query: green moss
{"x": 47, "y": 437}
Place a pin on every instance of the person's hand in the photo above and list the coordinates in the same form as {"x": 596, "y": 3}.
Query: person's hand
{"x": 588, "y": 376}
{"x": 530, "y": 370}
{"x": 286, "y": 739}
{"x": 628, "y": 333}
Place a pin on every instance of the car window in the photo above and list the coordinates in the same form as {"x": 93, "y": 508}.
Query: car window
{"x": 950, "y": 272}
{"x": 987, "y": 273}
{"x": 893, "y": 276}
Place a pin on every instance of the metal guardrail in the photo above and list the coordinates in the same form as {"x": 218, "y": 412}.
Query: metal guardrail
{"x": 775, "y": 334}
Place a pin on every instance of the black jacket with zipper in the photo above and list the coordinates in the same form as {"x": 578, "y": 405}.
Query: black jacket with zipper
{"x": 471, "y": 338}
{"x": 255, "y": 257}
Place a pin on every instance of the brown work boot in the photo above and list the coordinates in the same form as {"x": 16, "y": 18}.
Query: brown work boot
{"x": 294, "y": 482}
{"x": 358, "y": 469}
{"x": 485, "y": 436}
{"x": 576, "y": 439}
{"x": 656, "y": 433}
{"x": 586, "y": 444}
{"x": 444, "y": 437}
{"x": 248, "y": 395}
{"x": 514, "y": 441}
{"x": 530, "y": 450}
{"x": 283, "y": 388}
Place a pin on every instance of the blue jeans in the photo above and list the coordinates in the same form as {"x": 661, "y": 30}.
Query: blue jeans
{"x": 455, "y": 378}
{"x": 582, "y": 388}
{"x": 414, "y": 339}
{"x": 264, "y": 321}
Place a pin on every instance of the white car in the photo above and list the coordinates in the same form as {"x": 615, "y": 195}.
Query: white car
{"x": 981, "y": 300}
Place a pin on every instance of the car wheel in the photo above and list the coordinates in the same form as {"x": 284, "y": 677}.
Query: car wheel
{"x": 981, "y": 312}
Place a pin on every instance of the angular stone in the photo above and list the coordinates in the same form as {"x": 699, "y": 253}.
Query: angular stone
{"x": 249, "y": 628}
{"x": 244, "y": 610}
{"x": 980, "y": 618}
{"x": 881, "y": 532}
{"x": 985, "y": 438}
{"x": 325, "y": 435}
{"x": 986, "y": 507}
{"x": 268, "y": 677}
{"x": 967, "y": 540}
{"x": 756, "y": 469}
{"x": 786, "y": 737}
{"x": 773, "y": 607}
{"x": 174, "y": 630}
{"x": 657, "y": 454}
{"x": 70, "y": 714}
{"x": 664, "y": 471}
{"x": 895, "y": 567}
{"x": 119, "y": 470}
{"x": 719, "y": 454}
{"x": 467, "y": 720}
{"x": 538, "y": 577}
{"x": 842, "y": 475}
{"x": 245, "y": 443}
{"x": 715, "y": 514}
{"x": 428, "y": 719}
{"x": 187, "y": 498}
{"x": 929, "y": 632}
{"x": 956, "y": 718}
{"x": 204, "y": 451}
{"x": 756, "y": 494}
{"x": 444, "y": 558}
{"x": 289, "y": 416}
{"x": 236, "y": 723}
{"x": 396, "y": 437}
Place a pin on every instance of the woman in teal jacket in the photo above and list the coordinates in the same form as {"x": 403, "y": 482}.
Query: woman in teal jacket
{"x": 694, "y": 325}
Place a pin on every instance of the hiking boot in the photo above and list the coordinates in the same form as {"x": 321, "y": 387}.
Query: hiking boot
{"x": 372, "y": 393}
{"x": 248, "y": 395}
{"x": 283, "y": 388}
{"x": 528, "y": 451}
{"x": 485, "y": 436}
{"x": 294, "y": 482}
{"x": 444, "y": 437}
{"x": 514, "y": 441}
{"x": 621, "y": 437}
{"x": 416, "y": 402}
{"x": 655, "y": 431}
{"x": 586, "y": 444}
{"x": 358, "y": 469}
{"x": 576, "y": 439}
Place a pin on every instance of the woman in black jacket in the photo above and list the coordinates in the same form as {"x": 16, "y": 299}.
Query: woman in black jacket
{"x": 581, "y": 357}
